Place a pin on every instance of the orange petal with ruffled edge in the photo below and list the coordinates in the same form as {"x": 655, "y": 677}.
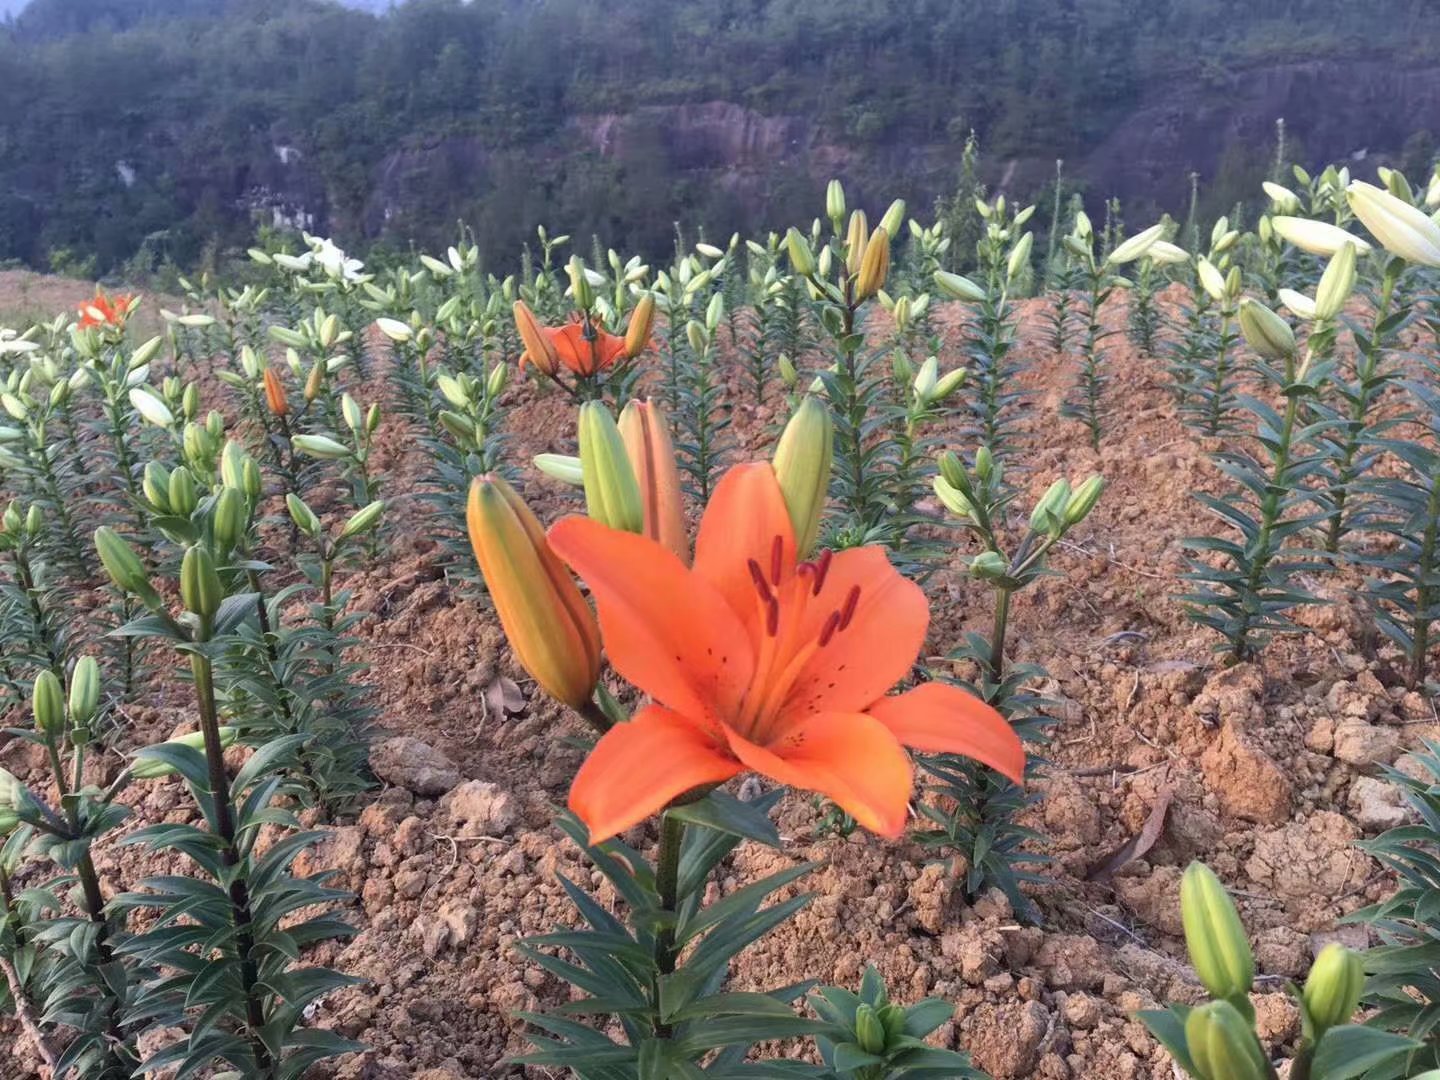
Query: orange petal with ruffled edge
{"x": 941, "y": 719}
{"x": 849, "y": 757}
{"x": 745, "y": 514}
{"x": 665, "y": 630}
{"x": 638, "y": 767}
{"x": 867, "y": 656}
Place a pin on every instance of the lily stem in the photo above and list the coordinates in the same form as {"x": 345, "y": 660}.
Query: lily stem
{"x": 667, "y": 886}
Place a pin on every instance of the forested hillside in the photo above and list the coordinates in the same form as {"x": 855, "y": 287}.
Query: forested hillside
{"x": 159, "y": 125}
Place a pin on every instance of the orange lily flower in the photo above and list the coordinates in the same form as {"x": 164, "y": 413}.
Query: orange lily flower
{"x": 757, "y": 662}
{"x": 581, "y": 346}
{"x": 102, "y": 310}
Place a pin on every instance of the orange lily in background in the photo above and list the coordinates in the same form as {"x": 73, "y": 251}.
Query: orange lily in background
{"x": 102, "y": 310}
{"x": 581, "y": 346}
{"x": 759, "y": 663}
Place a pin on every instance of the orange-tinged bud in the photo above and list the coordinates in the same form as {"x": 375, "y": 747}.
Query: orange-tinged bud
{"x": 548, "y": 623}
{"x": 875, "y": 267}
{"x": 275, "y": 393}
{"x": 538, "y": 346}
{"x": 637, "y": 333}
{"x": 652, "y": 457}
{"x": 315, "y": 382}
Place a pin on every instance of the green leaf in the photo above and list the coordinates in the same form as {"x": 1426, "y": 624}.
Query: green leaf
{"x": 1351, "y": 1049}
{"x": 726, "y": 814}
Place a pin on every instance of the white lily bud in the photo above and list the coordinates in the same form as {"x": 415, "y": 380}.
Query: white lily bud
{"x": 1403, "y": 229}
{"x": 1136, "y": 246}
{"x": 1316, "y": 237}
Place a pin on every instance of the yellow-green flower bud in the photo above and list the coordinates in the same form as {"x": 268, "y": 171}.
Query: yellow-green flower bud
{"x": 148, "y": 769}
{"x": 857, "y": 239}
{"x": 363, "y": 520}
{"x": 1019, "y": 259}
{"x": 228, "y": 518}
{"x": 124, "y": 566}
{"x": 561, "y": 467}
{"x": 1213, "y": 281}
{"x": 612, "y": 494}
{"x": 835, "y": 202}
{"x": 802, "y": 462}
{"x": 47, "y": 702}
{"x": 1083, "y": 500}
{"x": 12, "y": 520}
{"x": 320, "y": 446}
{"x": 869, "y": 1031}
{"x": 926, "y": 379}
{"x": 802, "y": 258}
{"x": 301, "y": 514}
{"x": 1049, "y": 514}
{"x": 232, "y": 465}
{"x": 1214, "y": 935}
{"x": 1336, "y": 283}
{"x": 181, "y": 493}
{"x": 151, "y": 408}
{"x": 1265, "y": 332}
{"x": 788, "y": 375}
{"x": 190, "y": 401}
{"x": 155, "y": 483}
{"x": 200, "y": 587}
{"x": 958, "y": 288}
{"x": 697, "y": 335}
{"x": 1222, "y": 1045}
{"x": 495, "y": 382}
{"x": 84, "y": 691}
{"x": 988, "y": 566}
{"x": 902, "y": 367}
{"x": 1332, "y": 992}
{"x": 948, "y": 384}
{"x": 580, "y": 287}
{"x": 894, "y": 218}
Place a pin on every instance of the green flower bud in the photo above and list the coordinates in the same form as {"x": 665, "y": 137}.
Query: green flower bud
{"x": 190, "y": 401}
{"x": 984, "y": 463}
{"x": 925, "y": 380}
{"x": 1336, "y": 283}
{"x": 1332, "y": 992}
{"x": 958, "y": 288}
{"x": 12, "y": 520}
{"x": 124, "y": 566}
{"x": 953, "y": 497}
{"x": 902, "y": 367}
{"x": 34, "y": 518}
{"x": 869, "y": 1031}
{"x": 612, "y": 494}
{"x": 894, "y": 218}
{"x": 1019, "y": 258}
{"x": 1222, "y": 1045}
{"x": 84, "y": 691}
{"x": 363, "y": 520}
{"x": 835, "y": 201}
{"x": 1214, "y": 935}
{"x": 195, "y": 740}
{"x": 788, "y": 375}
{"x": 495, "y": 382}
{"x": 200, "y": 587}
{"x": 1265, "y": 332}
{"x": 155, "y": 483}
{"x": 803, "y": 460}
{"x": 320, "y": 446}
{"x": 228, "y": 517}
{"x": 151, "y": 408}
{"x": 47, "y": 702}
{"x": 1049, "y": 514}
{"x": 181, "y": 493}
{"x": 948, "y": 384}
{"x": 988, "y": 566}
{"x": 301, "y": 514}
{"x": 697, "y": 335}
{"x": 561, "y": 467}
{"x": 580, "y": 288}
{"x": 802, "y": 259}
{"x": 1083, "y": 500}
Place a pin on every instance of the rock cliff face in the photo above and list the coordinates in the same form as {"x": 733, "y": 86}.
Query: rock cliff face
{"x": 1355, "y": 109}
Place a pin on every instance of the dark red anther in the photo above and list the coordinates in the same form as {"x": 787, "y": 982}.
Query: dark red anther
{"x": 828, "y": 630}
{"x": 761, "y": 585}
{"x": 772, "y": 617}
{"x": 848, "y": 611}
{"x": 777, "y": 549}
{"x": 822, "y": 569}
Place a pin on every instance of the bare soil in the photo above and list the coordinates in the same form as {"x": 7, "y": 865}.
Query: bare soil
{"x": 1262, "y": 770}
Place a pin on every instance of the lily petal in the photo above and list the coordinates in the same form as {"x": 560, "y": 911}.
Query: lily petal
{"x": 665, "y": 630}
{"x": 745, "y": 514}
{"x": 878, "y": 645}
{"x": 638, "y": 767}
{"x": 850, "y": 757}
{"x": 941, "y": 719}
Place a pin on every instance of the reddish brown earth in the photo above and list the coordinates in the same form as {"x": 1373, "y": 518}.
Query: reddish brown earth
{"x": 1266, "y": 770}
